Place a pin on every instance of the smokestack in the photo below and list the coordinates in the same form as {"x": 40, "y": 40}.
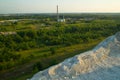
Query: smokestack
{"x": 57, "y": 13}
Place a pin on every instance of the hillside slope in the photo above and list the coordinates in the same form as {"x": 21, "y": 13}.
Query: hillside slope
{"x": 101, "y": 63}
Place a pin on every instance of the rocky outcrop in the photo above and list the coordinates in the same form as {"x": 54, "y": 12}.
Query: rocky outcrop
{"x": 101, "y": 63}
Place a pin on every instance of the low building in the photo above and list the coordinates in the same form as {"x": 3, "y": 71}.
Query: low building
{"x": 61, "y": 20}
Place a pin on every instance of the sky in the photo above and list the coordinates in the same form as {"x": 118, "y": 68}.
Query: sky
{"x": 65, "y": 6}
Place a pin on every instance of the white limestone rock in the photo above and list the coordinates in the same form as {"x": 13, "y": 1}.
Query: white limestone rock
{"x": 101, "y": 63}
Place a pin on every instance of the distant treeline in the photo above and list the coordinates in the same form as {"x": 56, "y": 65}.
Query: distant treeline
{"x": 67, "y": 15}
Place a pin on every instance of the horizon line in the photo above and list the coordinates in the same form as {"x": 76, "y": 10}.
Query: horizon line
{"x": 59, "y": 13}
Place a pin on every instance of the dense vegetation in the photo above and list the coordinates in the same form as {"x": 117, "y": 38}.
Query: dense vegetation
{"x": 51, "y": 38}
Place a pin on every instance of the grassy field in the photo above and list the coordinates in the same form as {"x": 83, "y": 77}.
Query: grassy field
{"x": 41, "y": 42}
{"x": 60, "y": 55}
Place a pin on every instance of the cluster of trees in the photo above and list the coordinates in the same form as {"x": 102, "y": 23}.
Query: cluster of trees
{"x": 64, "y": 35}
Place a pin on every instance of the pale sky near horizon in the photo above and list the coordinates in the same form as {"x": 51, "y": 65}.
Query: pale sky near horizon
{"x": 49, "y": 6}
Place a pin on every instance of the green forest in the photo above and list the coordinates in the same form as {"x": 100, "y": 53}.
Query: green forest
{"x": 39, "y": 41}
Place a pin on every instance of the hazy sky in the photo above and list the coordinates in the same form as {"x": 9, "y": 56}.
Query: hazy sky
{"x": 45, "y": 6}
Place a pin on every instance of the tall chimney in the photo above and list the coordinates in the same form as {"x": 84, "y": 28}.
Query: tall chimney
{"x": 57, "y": 13}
